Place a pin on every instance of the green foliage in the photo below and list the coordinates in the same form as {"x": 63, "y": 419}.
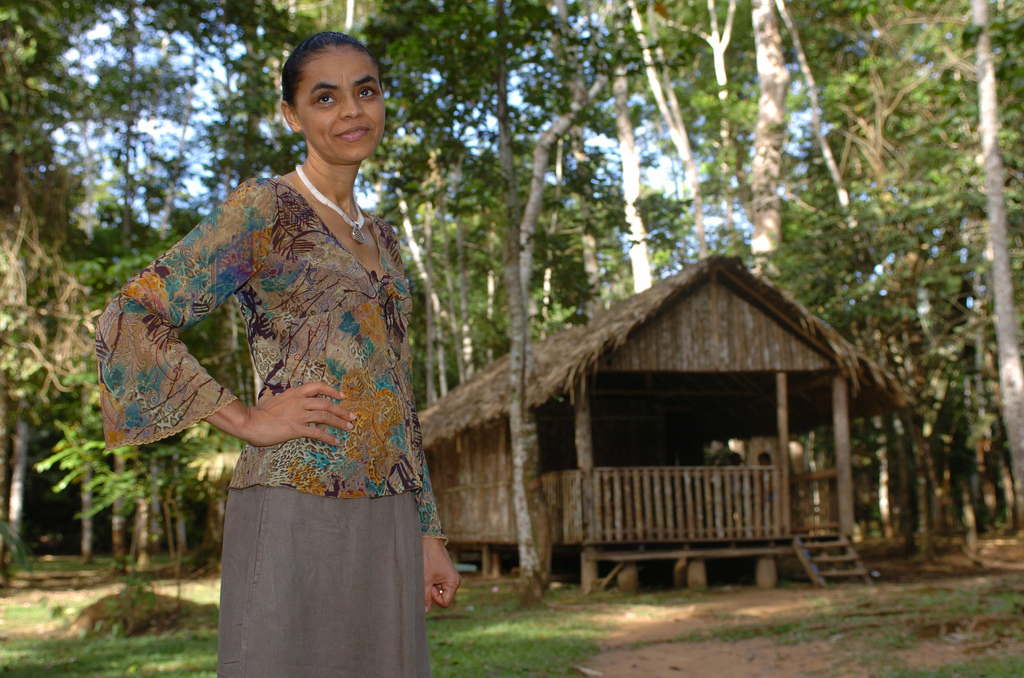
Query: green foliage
{"x": 20, "y": 552}
{"x": 130, "y": 612}
{"x": 123, "y": 123}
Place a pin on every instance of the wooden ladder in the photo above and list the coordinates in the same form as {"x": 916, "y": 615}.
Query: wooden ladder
{"x": 831, "y": 557}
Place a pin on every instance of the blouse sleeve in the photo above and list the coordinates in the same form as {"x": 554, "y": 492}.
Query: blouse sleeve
{"x": 151, "y": 387}
{"x": 430, "y": 522}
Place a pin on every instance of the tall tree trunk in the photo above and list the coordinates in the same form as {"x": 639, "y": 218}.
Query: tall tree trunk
{"x": 19, "y": 470}
{"x": 884, "y": 480}
{"x": 674, "y": 123}
{"x": 631, "y": 182}
{"x": 87, "y": 524}
{"x": 455, "y": 318}
{"x": 118, "y": 524}
{"x": 419, "y": 258}
{"x": 719, "y": 42}
{"x": 769, "y": 131}
{"x": 588, "y": 243}
{"x": 491, "y": 288}
{"x": 465, "y": 333}
{"x": 981, "y": 430}
{"x": 899, "y": 441}
{"x": 522, "y": 426}
{"x": 127, "y": 214}
{"x": 528, "y": 497}
{"x": 1011, "y": 373}
{"x": 922, "y": 466}
{"x": 812, "y": 92}
{"x": 552, "y": 229}
{"x": 5, "y": 458}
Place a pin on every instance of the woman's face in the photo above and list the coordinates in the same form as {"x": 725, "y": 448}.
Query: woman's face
{"x": 339, "y": 107}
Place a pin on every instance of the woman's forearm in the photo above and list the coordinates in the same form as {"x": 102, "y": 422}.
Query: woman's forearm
{"x": 232, "y": 419}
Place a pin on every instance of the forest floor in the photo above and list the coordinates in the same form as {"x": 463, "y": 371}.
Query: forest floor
{"x": 951, "y": 617}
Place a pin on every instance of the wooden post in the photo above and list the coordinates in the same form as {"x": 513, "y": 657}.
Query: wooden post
{"x": 585, "y": 462}
{"x": 628, "y": 579}
{"x": 696, "y": 574}
{"x": 679, "y": 573}
{"x": 767, "y": 573}
{"x": 844, "y": 462}
{"x": 782, "y": 409}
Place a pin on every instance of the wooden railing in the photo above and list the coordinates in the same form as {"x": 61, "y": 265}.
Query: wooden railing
{"x": 815, "y": 507}
{"x": 665, "y": 504}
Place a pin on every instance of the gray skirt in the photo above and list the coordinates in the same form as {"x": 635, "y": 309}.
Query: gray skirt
{"x": 318, "y": 586}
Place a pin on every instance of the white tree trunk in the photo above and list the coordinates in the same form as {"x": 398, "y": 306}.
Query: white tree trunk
{"x": 465, "y": 334}
{"x": 1011, "y": 374}
{"x": 675, "y": 125}
{"x": 631, "y": 183}
{"x": 588, "y": 243}
{"x": 527, "y": 497}
{"x": 19, "y": 471}
{"x": 769, "y": 131}
{"x": 812, "y": 93}
{"x": 421, "y": 260}
{"x": 87, "y": 527}
{"x": 719, "y": 43}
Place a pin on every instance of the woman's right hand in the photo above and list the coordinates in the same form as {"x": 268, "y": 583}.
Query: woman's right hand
{"x": 288, "y": 415}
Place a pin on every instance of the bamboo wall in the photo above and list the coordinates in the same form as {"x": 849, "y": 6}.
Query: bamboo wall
{"x": 714, "y": 330}
{"x": 472, "y": 479}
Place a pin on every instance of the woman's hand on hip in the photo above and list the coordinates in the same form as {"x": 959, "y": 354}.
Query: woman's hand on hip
{"x": 290, "y": 414}
{"x": 440, "y": 578}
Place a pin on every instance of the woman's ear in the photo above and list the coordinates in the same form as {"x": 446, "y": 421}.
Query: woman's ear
{"x": 289, "y": 116}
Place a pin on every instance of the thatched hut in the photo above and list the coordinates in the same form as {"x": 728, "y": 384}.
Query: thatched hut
{"x": 627, "y": 407}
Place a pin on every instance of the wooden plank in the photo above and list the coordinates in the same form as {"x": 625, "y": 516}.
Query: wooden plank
{"x": 844, "y": 464}
{"x": 748, "y": 506}
{"x": 648, "y": 522}
{"x": 617, "y": 499}
{"x": 777, "y": 507}
{"x": 680, "y": 506}
{"x": 670, "y": 504}
{"x": 692, "y": 529}
{"x": 638, "y": 505}
{"x": 758, "y": 514}
{"x": 653, "y": 479}
{"x": 703, "y": 505}
{"x": 628, "y": 529}
{"x": 714, "y": 483}
{"x": 782, "y": 406}
{"x": 675, "y": 554}
{"x": 727, "y": 479}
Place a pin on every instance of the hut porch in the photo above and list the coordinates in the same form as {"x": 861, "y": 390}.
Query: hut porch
{"x": 627, "y": 408}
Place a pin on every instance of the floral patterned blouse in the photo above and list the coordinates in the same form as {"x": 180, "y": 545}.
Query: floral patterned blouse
{"x": 313, "y": 313}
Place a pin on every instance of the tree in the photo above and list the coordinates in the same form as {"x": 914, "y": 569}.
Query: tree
{"x": 770, "y": 129}
{"x": 1011, "y": 374}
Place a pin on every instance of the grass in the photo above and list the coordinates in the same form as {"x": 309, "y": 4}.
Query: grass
{"x": 188, "y": 653}
{"x": 1007, "y": 667}
{"x": 487, "y": 634}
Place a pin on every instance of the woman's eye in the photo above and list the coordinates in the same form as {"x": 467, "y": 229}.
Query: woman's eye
{"x": 325, "y": 98}
{"x": 367, "y": 92}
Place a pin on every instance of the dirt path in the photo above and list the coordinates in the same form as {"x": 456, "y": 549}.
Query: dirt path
{"x": 642, "y": 641}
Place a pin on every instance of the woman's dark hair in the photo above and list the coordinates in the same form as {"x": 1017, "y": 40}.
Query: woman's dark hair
{"x": 291, "y": 74}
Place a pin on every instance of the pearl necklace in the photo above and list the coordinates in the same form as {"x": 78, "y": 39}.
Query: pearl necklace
{"x": 357, "y": 225}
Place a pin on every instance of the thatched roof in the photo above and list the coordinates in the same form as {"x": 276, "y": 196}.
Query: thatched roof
{"x": 561, "y": 358}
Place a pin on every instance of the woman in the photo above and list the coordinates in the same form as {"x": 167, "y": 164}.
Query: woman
{"x": 330, "y": 515}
